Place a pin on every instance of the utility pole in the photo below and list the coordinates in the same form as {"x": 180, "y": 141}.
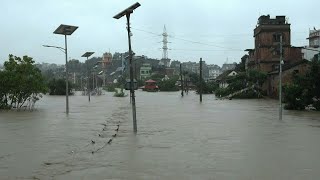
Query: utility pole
{"x": 81, "y": 87}
{"x": 92, "y": 80}
{"x": 280, "y": 80}
{"x": 88, "y": 87}
{"x": 133, "y": 99}
{"x": 127, "y": 13}
{"x": 88, "y": 80}
{"x": 200, "y": 80}
{"x": 67, "y": 75}
{"x": 181, "y": 80}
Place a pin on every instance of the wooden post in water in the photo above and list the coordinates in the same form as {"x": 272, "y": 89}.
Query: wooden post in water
{"x": 181, "y": 80}
{"x": 200, "y": 90}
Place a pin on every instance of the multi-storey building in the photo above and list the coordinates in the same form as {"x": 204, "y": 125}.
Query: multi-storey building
{"x": 314, "y": 44}
{"x": 106, "y": 59}
{"x": 214, "y": 71}
{"x": 266, "y": 53}
{"x": 145, "y": 71}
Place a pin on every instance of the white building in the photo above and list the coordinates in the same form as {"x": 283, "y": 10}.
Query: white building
{"x": 314, "y": 44}
{"x": 214, "y": 71}
{"x": 164, "y": 62}
{"x": 145, "y": 71}
{"x": 223, "y": 78}
{"x": 226, "y": 67}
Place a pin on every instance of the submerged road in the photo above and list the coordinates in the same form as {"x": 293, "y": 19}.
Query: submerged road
{"x": 178, "y": 138}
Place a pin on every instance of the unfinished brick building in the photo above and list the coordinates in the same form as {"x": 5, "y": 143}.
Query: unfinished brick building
{"x": 265, "y": 55}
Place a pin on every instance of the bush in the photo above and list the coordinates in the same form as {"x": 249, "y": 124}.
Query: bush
{"x": 119, "y": 94}
{"x": 249, "y": 94}
{"x": 58, "y": 87}
{"x": 221, "y": 92}
{"x": 293, "y": 97}
{"x": 110, "y": 88}
{"x": 168, "y": 85}
{"x": 21, "y": 83}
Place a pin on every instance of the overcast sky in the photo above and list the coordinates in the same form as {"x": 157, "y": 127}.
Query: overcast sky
{"x": 223, "y": 28}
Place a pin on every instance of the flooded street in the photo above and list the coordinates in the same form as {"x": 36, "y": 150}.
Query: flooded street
{"x": 178, "y": 138}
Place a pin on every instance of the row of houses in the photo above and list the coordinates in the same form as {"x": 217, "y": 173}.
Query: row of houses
{"x": 145, "y": 67}
{"x": 265, "y": 56}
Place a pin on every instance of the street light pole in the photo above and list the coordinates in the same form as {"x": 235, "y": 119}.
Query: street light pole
{"x": 280, "y": 80}
{"x": 67, "y": 75}
{"x": 133, "y": 98}
{"x": 127, "y": 13}
{"x": 65, "y": 30}
{"x": 88, "y": 80}
{"x": 87, "y": 55}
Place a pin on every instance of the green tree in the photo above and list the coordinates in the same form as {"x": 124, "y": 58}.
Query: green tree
{"x": 21, "y": 82}
{"x": 242, "y": 81}
{"x": 58, "y": 87}
{"x": 168, "y": 85}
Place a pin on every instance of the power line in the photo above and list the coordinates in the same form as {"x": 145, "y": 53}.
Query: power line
{"x": 202, "y": 50}
{"x": 190, "y": 41}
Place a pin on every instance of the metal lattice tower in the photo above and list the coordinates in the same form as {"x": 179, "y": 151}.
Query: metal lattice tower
{"x": 165, "y": 43}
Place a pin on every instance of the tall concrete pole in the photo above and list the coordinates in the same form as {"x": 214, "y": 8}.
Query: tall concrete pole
{"x": 88, "y": 80}
{"x": 133, "y": 99}
{"x": 280, "y": 80}
{"x": 200, "y": 91}
{"x": 181, "y": 80}
{"x": 67, "y": 76}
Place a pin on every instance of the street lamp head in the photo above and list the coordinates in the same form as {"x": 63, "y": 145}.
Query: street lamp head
{"x": 87, "y": 54}
{"x": 129, "y": 10}
{"x": 65, "y": 29}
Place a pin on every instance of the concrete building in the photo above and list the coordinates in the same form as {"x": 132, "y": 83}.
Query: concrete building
{"x": 314, "y": 45}
{"x": 224, "y": 77}
{"x": 106, "y": 59}
{"x": 214, "y": 71}
{"x": 226, "y": 67}
{"x": 145, "y": 71}
{"x": 164, "y": 62}
{"x": 265, "y": 55}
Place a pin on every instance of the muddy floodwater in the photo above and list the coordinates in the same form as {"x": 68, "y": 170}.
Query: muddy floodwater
{"x": 178, "y": 138}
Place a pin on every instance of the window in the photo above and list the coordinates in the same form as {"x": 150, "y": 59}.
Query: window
{"x": 276, "y": 37}
{"x": 276, "y": 51}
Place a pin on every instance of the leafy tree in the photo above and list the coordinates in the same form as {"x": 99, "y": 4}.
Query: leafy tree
{"x": 157, "y": 77}
{"x": 58, "y": 87}
{"x": 168, "y": 85}
{"x": 304, "y": 90}
{"x": 21, "y": 82}
{"x": 242, "y": 81}
{"x": 293, "y": 97}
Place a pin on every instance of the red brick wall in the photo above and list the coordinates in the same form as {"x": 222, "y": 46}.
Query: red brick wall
{"x": 272, "y": 84}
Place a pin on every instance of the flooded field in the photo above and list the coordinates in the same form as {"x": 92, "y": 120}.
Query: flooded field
{"x": 178, "y": 138}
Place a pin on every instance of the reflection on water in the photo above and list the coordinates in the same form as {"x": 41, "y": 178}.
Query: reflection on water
{"x": 178, "y": 138}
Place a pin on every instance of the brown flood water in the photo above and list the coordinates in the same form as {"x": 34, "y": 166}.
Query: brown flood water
{"x": 178, "y": 138}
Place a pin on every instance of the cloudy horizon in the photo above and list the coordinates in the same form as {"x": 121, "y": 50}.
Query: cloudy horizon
{"x": 217, "y": 31}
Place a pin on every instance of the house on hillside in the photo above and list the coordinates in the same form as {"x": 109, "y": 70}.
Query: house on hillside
{"x": 226, "y": 67}
{"x": 214, "y": 71}
{"x": 314, "y": 45}
{"x": 224, "y": 77}
{"x": 145, "y": 71}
